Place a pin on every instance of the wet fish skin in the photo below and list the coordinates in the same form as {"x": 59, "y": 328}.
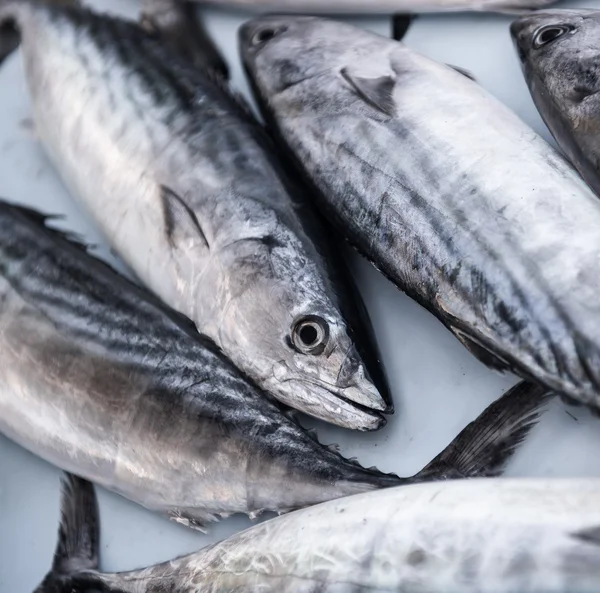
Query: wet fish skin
{"x": 454, "y": 199}
{"x": 489, "y": 536}
{"x": 100, "y": 378}
{"x": 188, "y": 190}
{"x": 563, "y": 78}
{"x": 382, "y": 6}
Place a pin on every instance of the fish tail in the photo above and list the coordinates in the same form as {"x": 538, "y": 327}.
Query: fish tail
{"x": 485, "y": 446}
{"x": 178, "y": 25}
{"x": 9, "y": 34}
{"x": 76, "y": 553}
{"x": 11, "y": 11}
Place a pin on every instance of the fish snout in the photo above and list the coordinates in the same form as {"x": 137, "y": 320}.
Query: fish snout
{"x": 356, "y": 385}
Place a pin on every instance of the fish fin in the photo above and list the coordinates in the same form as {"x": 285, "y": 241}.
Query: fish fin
{"x": 481, "y": 352}
{"x": 198, "y": 519}
{"x": 312, "y": 433}
{"x": 79, "y": 532}
{"x": 377, "y": 92}
{"x": 463, "y": 71}
{"x": 401, "y": 23}
{"x": 591, "y": 536}
{"x": 176, "y": 22}
{"x": 181, "y": 223}
{"x": 484, "y": 447}
{"x": 334, "y": 448}
{"x": 9, "y": 38}
{"x": 76, "y": 555}
{"x": 38, "y": 218}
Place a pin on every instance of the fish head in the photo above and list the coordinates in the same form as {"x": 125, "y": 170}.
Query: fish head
{"x": 295, "y": 60}
{"x": 294, "y": 338}
{"x": 558, "y": 50}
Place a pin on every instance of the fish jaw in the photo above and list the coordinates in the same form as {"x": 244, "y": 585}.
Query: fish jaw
{"x": 341, "y": 407}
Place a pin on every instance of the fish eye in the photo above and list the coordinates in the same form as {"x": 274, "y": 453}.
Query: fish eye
{"x": 266, "y": 34}
{"x": 549, "y": 33}
{"x": 310, "y": 334}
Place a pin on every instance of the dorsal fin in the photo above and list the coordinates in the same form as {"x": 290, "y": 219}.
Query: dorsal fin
{"x": 463, "y": 71}
{"x": 377, "y": 92}
{"x": 591, "y": 535}
{"x": 401, "y": 23}
{"x": 37, "y": 217}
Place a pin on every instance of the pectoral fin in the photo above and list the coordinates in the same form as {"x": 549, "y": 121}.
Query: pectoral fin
{"x": 377, "y": 92}
{"x": 182, "y": 227}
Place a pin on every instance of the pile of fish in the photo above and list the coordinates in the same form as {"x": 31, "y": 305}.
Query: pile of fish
{"x": 180, "y": 391}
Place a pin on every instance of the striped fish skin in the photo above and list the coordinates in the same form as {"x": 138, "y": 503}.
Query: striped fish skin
{"x": 98, "y": 377}
{"x": 445, "y": 190}
{"x": 187, "y": 189}
{"x": 475, "y": 536}
{"x": 559, "y": 52}
{"x": 381, "y": 6}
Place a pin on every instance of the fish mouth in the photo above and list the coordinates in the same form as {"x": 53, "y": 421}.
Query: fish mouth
{"x": 330, "y": 404}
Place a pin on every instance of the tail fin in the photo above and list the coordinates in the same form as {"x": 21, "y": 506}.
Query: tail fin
{"x": 9, "y": 38}
{"x": 9, "y": 15}
{"x": 484, "y": 447}
{"x": 78, "y": 535}
{"x": 176, "y": 22}
{"x": 401, "y": 23}
{"x": 9, "y": 33}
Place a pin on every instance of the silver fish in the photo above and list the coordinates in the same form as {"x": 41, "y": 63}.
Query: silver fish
{"x": 445, "y": 190}
{"x": 382, "y": 6}
{"x": 559, "y": 53}
{"x": 189, "y": 191}
{"x": 484, "y": 536}
{"x": 98, "y": 377}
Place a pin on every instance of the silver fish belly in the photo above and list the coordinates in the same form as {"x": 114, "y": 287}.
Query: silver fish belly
{"x": 445, "y": 190}
{"x": 559, "y": 52}
{"x": 478, "y": 536}
{"x": 98, "y": 377}
{"x": 187, "y": 188}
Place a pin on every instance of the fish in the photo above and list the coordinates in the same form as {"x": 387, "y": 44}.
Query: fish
{"x": 175, "y": 22}
{"x": 188, "y": 189}
{"x": 558, "y": 51}
{"x": 444, "y": 189}
{"x": 100, "y": 378}
{"x": 382, "y": 6}
{"x": 9, "y": 40}
{"x": 490, "y": 536}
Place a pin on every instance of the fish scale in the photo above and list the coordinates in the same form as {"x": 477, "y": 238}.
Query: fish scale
{"x": 189, "y": 191}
